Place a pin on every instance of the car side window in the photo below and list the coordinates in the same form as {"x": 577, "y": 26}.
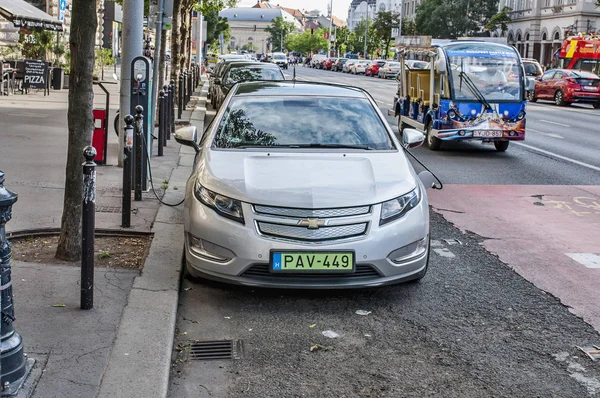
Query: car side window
{"x": 557, "y": 76}
{"x": 548, "y": 75}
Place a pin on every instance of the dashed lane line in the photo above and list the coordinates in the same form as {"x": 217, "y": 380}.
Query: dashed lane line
{"x": 556, "y": 155}
{"x": 551, "y": 122}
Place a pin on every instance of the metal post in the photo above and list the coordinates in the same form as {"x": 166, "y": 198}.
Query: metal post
{"x": 185, "y": 86}
{"x": 14, "y": 366}
{"x": 133, "y": 41}
{"x": 172, "y": 113}
{"x": 330, "y": 23}
{"x": 126, "y": 203}
{"x": 167, "y": 113}
{"x": 161, "y": 122}
{"x": 88, "y": 225}
{"x": 180, "y": 96}
{"x": 155, "y": 64}
{"x": 190, "y": 84}
{"x": 138, "y": 137}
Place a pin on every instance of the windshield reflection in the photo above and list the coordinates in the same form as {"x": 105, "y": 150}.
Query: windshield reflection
{"x": 289, "y": 121}
{"x": 250, "y": 74}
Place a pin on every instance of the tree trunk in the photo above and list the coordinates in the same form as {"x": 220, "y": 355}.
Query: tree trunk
{"x": 81, "y": 123}
{"x": 183, "y": 29}
{"x": 175, "y": 46}
{"x": 189, "y": 39}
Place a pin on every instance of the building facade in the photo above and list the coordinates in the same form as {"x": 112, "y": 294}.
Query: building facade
{"x": 248, "y": 26}
{"x": 359, "y": 8}
{"x": 539, "y": 26}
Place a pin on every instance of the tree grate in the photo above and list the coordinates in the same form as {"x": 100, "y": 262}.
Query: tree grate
{"x": 108, "y": 209}
{"x": 217, "y": 349}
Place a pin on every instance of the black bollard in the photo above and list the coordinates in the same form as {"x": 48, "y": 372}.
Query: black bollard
{"x": 161, "y": 122}
{"x": 14, "y": 366}
{"x": 88, "y": 226}
{"x": 180, "y": 96}
{"x": 190, "y": 85}
{"x": 137, "y": 139}
{"x": 171, "y": 129}
{"x": 167, "y": 112}
{"x": 126, "y": 203}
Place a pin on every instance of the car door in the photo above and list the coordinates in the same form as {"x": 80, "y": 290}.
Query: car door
{"x": 541, "y": 87}
{"x": 556, "y": 83}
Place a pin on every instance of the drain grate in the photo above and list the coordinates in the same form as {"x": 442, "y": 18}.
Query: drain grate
{"x": 217, "y": 349}
{"x": 108, "y": 209}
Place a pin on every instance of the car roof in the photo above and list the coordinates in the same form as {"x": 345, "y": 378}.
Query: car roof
{"x": 252, "y": 63}
{"x": 298, "y": 89}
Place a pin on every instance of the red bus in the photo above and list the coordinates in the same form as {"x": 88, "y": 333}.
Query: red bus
{"x": 581, "y": 52}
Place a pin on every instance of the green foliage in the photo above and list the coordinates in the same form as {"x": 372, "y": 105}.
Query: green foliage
{"x": 451, "y": 19}
{"x": 279, "y": 30}
{"x": 409, "y": 28}
{"x": 356, "y": 40}
{"x": 341, "y": 39}
{"x": 249, "y": 47}
{"x": 306, "y": 42}
{"x": 215, "y": 25}
{"x": 500, "y": 21}
{"x": 103, "y": 58}
{"x": 383, "y": 24}
{"x": 36, "y": 44}
{"x": 206, "y": 6}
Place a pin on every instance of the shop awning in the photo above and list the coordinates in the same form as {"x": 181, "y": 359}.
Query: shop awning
{"x": 23, "y": 14}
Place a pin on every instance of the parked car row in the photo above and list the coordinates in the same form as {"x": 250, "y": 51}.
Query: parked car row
{"x": 383, "y": 69}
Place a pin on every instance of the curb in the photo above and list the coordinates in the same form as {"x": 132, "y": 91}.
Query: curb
{"x": 140, "y": 360}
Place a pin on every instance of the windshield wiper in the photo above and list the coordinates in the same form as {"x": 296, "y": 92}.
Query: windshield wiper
{"x": 469, "y": 83}
{"x": 332, "y": 146}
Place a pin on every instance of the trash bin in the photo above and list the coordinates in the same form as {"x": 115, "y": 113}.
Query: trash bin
{"x": 100, "y": 135}
{"x": 58, "y": 75}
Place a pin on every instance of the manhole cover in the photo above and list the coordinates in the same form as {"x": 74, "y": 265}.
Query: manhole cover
{"x": 218, "y": 349}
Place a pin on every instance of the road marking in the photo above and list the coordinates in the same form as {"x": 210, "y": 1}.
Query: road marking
{"x": 556, "y": 155}
{"x": 548, "y": 134}
{"x": 588, "y": 260}
{"x": 551, "y": 122}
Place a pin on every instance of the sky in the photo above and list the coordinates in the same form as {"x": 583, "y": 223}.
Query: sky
{"x": 340, "y": 7}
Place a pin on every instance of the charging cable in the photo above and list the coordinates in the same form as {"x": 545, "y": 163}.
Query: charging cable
{"x": 441, "y": 185}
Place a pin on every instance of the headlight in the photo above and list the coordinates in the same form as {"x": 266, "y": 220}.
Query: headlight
{"x": 223, "y": 205}
{"x": 396, "y": 208}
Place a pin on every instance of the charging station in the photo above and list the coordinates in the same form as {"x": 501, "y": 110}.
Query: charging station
{"x": 141, "y": 94}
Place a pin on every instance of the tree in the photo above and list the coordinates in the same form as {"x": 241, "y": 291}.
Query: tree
{"x": 383, "y": 24}
{"x": 356, "y": 41}
{"x": 341, "y": 39}
{"x": 249, "y": 47}
{"x": 452, "y": 19}
{"x": 409, "y": 28}
{"x": 279, "y": 31}
{"x": 80, "y": 122}
{"x": 500, "y": 21}
{"x": 307, "y": 42}
{"x": 215, "y": 26}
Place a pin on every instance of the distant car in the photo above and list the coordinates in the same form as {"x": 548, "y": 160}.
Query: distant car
{"x": 565, "y": 86}
{"x": 532, "y": 68}
{"x": 416, "y": 64}
{"x": 373, "y": 68}
{"x": 348, "y": 65}
{"x": 359, "y": 67}
{"x": 316, "y": 59}
{"x": 389, "y": 70}
{"x": 329, "y": 63}
{"x": 339, "y": 64}
{"x": 218, "y": 69}
{"x": 280, "y": 60}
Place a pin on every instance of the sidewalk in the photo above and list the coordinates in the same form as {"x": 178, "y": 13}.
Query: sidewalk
{"x": 129, "y": 333}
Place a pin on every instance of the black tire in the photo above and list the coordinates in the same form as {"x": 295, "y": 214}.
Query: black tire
{"x": 433, "y": 143}
{"x": 596, "y": 105}
{"x": 501, "y": 146}
{"x": 559, "y": 98}
{"x": 116, "y": 124}
{"x": 531, "y": 96}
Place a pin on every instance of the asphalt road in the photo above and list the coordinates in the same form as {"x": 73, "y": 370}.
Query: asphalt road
{"x": 561, "y": 146}
{"x": 473, "y": 327}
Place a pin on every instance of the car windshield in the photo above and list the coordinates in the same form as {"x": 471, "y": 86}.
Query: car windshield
{"x": 532, "y": 68}
{"x": 583, "y": 75}
{"x": 279, "y": 56}
{"x": 302, "y": 122}
{"x": 393, "y": 64}
{"x": 253, "y": 73}
{"x": 485, "y": 69}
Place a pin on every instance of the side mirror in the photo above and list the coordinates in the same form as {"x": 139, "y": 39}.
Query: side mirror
{"x": 412, "y": 138}
{"x": 530, "y": 84}
{"x": 187, "y": 136}
{"x": 427, "y": 179}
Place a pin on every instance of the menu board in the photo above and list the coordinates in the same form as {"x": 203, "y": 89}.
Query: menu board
{"x": 36, "y": 74}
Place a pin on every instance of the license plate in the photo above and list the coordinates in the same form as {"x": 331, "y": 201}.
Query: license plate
{"x": 328, "y": 262}
{"x": 488, "y": 133}
{"x": 589, "y": 88}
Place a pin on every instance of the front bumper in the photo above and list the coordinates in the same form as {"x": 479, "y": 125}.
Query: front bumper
{"x": 248, "y": 251}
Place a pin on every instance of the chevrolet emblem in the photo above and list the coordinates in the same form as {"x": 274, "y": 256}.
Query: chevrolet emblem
{"x": 311, "y": 223}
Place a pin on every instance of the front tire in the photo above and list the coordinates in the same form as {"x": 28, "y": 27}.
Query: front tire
{"x": 433, "y": 142}
{"x": 559, "y": 98}
{"x": 531, "y": 96}
{"x": 596, "y": 105}
{"x": 501, "y": 146}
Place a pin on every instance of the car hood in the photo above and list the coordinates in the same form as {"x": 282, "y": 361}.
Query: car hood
{"x": 306, "y": 179}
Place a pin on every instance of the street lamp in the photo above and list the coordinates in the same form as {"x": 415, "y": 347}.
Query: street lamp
{"x": 330, "y": 23}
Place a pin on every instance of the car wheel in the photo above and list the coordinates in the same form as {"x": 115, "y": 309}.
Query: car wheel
{"x": 501, "y": 146}
{"x": 531, "y": 96}
{"x": 559, "y": 98}
{"x": 433, "y": 142}
{"x": 596, "y": 105}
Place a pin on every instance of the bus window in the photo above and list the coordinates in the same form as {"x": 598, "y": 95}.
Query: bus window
{"x": 590, "y": 65}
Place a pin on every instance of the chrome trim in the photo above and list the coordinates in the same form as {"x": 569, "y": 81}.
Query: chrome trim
{"x": 311, "y": 213}
{"x": 296, "y": 233}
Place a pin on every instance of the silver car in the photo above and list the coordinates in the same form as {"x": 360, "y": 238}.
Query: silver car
{"x": 359, "y": 67}
{"x": 389, "y": 70}
{"x": 347, "y": 68}
{"x": 304, "y": 185}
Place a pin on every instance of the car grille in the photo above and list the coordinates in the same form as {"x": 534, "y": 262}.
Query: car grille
{"x": 311, "y": 235}
{"x": 261, "y": 271}
{"x": 312, "y": 213}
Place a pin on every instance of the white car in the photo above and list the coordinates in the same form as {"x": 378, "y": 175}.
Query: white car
{"x": 280, "y": 59}
{"x": 260, "y": 211}
{"x": 359, "y": 67}
{"x": 316, "y": 59}
{"x": 348, "y": 65}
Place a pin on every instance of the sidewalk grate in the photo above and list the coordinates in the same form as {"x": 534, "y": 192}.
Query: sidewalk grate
{"x": 217, "y": 349}
{"x": 108, "y": 209}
